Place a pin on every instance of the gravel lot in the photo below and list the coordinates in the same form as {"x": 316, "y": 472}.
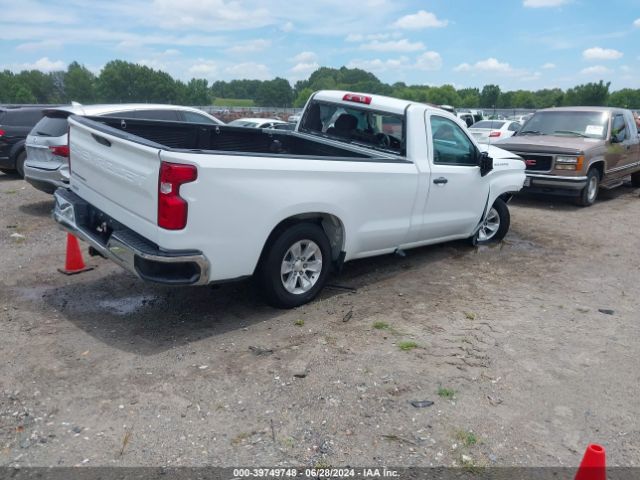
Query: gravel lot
{"x": 510, "y": 345}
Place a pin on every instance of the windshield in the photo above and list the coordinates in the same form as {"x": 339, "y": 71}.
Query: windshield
{"x": 578, "y": 124}
{"x": 379, "y": 130}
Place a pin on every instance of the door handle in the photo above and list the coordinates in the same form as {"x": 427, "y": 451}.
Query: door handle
{"x": 440, "y": 181}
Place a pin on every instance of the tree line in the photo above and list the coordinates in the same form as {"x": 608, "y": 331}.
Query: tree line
{"x": 120, "y": 82}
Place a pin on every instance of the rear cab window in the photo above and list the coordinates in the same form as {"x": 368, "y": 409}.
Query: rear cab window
{"x": 358, "y": 126}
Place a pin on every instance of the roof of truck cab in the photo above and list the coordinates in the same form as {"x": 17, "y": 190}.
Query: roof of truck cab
{"x": 582, "y": 109}
{"x": 378, "y": 102}
{"x": 120, "y": 107}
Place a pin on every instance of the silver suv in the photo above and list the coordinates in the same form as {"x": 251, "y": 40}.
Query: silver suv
{"x": 47, "y": 164}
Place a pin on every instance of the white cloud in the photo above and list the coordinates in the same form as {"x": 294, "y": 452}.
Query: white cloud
{"x": 204, "y": 68}
{"x": 249, "y": 70}
{"x": 378, "y": 65}
{"x": 544, "y": 3}
{"x": 429, "y": 61}
{"x": 250, "y": 46}
{"x": 43, "y": 64}
{"x": 358, "y": 37}
{"x": 595, "y": 70}
{"x": 208, "y": 15}
{"x": 305, "y": 57}
{"x": 597, "y": 53}
{"x": 305, "y": 68}
{"x": 549, "y": 66}
{"x": 41, "y": 45}
{"x": 488, "y": 65}
{"x": 403, "y": 45}
{"x": 287, "y": 27}
{"x": 420, "y": 20}
{"x": 637, "y": 23}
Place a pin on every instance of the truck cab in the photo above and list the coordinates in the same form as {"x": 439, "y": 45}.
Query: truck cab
{"x": 576, "y": 151}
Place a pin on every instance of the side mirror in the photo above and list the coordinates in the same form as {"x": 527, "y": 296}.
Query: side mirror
{"x": 485, "y": 162}
{"x": 618, "y": 137}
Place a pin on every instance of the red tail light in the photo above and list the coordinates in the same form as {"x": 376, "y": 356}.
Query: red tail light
{"x": 354, "y": 97}
{"x": 60, "y": 150}
{"x": 2, "y": 132}
{"x": 172, "y": 208}
{"x": 495, "y": 134}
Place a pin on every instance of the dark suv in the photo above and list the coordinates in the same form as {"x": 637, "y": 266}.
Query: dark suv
{"x": 15, "y": 125}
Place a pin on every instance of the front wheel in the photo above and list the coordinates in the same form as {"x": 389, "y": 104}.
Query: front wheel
{"x": 295, "y": 266}
{"x": 496, "y": 224}
{"x": 589, "y": 193}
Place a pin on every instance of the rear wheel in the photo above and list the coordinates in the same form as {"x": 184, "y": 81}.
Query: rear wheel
{"x": 589, "y": 193}
{"x": 295, "y": 266}
{"x": 635, "y": 179}
{"x": 20, "y": 159}
{"x": 495, "y": 225}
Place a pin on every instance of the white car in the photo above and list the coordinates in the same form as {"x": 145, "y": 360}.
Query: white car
{"x": 47, "y": 166}
{"x": 256, "y": 122}
{"x": 487, "y": 131}
{"x": 223, "y": 203}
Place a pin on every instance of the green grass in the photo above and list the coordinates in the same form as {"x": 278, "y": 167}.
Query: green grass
{"x": 407, "y": 345}
{"x": 233, "y": 102}
{"x": 446, "y": 392}
{"x": 468, "y": 439}
{"x": 299, "y": 323}
{"x": 381, "y": 325}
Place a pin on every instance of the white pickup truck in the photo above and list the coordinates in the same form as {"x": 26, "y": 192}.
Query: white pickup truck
{"x": 361, "y": 175}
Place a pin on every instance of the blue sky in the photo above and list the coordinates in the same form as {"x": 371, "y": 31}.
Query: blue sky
{"x": 526, "y": 44}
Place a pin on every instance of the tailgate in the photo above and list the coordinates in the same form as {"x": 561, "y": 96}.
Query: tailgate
{"x": 116, "y": 172}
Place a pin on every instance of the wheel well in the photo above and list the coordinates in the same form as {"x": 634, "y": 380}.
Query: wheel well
{"x": 599, "y": 166}
{"x": 332, "y": 226}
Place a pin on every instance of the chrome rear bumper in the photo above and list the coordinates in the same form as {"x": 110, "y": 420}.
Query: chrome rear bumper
{"x": 128, "y": 249}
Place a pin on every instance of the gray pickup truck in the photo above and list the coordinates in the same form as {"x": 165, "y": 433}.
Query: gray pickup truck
{"x": 578, "y": 150}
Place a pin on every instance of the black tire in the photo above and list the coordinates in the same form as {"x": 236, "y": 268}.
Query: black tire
{"x": 269, "y": 276}
{"x": 500, "y": 209}
{"x": 22, "y": 156}
{"x": 635, "y": 179}
{"x": 8, "y": 171}
{"x": 587, "y": 197}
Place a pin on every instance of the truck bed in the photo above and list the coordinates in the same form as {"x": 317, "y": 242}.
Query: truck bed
{"x": 180, "y": 136}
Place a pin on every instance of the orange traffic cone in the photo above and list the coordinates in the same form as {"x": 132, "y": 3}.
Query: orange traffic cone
{"x": 593, "y": 465}
{"x": 74, "y": 262}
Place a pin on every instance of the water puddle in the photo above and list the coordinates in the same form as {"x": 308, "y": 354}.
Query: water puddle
{"x": 125, "y": 305}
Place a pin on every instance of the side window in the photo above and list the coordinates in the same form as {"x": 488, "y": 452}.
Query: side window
{"x": 170, "y": 115}
{"x": 514, "y": 127}
{"x": 193, "y": 117}
{"x": 450, "y": 144}
{"x": 619, "y": 127}
{"x": 23, "y": 117}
